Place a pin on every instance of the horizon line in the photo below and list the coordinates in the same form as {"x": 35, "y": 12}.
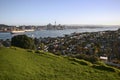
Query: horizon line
{"x": 61, "y": 24}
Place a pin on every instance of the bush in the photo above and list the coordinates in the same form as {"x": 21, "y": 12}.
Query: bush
{"x": 89, "y": 58}
{"x": 23, "y": 41}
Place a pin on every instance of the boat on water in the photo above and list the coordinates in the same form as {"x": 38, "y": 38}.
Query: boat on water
{"x": 21, "y": 31}
{"x": 15, "y": 32}
{"x": 27, "y": 30}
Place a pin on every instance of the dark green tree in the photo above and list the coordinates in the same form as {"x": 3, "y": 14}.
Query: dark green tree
{"x": 23, "y": 41}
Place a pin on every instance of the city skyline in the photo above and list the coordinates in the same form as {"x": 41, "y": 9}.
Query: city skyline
{"x": 41, "y": 12}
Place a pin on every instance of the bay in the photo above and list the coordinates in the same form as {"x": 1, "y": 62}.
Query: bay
{"x": 54, "y": 33}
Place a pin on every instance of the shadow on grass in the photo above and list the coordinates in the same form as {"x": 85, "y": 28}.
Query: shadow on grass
{"x": 82, "y": 62}
{"x": 105, "y": 68}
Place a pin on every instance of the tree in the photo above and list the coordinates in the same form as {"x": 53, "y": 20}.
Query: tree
{"x": 23, "y": 41}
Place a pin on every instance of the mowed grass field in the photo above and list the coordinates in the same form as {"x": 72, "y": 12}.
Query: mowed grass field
{"x": 21, "y": 64}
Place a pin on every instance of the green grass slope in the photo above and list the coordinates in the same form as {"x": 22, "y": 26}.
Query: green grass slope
{"x": 20, "y": 64}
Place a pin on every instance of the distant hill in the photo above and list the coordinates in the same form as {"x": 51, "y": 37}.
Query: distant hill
{"x": 20, "y": 64}
{"x": 3, "y": 25}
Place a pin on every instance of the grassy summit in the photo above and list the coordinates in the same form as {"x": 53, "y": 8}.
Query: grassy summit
{"x": 20, "y": 64}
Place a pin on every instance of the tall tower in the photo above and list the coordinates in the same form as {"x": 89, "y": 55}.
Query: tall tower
{"x": 55, "y": 23}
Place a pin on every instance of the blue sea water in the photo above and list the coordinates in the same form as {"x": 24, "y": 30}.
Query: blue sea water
{"x": 54, "y": 33}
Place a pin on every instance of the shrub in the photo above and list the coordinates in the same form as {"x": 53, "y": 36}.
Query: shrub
{"x": 89, "y": 58}
{"x": 23, "y": 41}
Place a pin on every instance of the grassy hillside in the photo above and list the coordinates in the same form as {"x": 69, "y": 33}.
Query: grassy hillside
{"x": 20, "y": 64}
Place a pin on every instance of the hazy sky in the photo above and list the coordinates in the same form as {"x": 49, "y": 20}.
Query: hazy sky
{"x": 40, "y": 12}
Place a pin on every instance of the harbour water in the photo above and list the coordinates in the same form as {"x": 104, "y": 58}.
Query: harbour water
{"x": 54, "y": 33}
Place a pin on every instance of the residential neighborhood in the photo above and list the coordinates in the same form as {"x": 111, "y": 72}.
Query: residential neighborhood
{"x": 104, "y": 44}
